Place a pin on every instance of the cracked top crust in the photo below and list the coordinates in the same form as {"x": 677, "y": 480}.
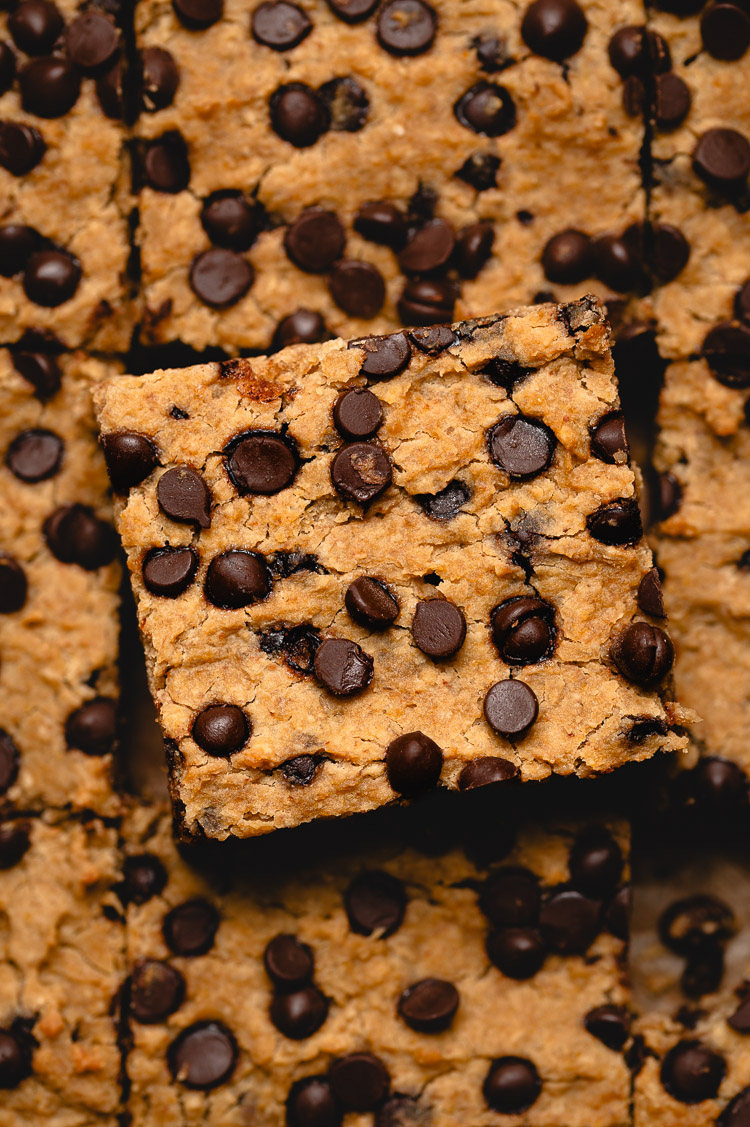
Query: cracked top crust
{"x": 495, "y": 503}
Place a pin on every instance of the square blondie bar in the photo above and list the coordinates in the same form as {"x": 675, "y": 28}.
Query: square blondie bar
{"x": 363, "y": 570}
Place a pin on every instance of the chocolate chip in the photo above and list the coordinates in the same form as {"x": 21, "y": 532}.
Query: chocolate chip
{"x": 230, "y": 221}
{"x": 221, "y": 277}
{"x": 512, "y": 1085}
{"x": 311, "y": 1103}
{"x": 315, "y": 240}
{"x": 568, "y": 258}
{"x": 617, "y": 914}
{"x": 740, "y": 1019}
{"x": 375, "y": 902}
{"x": 510, "y": 898}
{"x": 297, "y": 644}
{"x": 184, "y": 497}
{"x": 301, "y": 770}
{"x": 703, "y": 972}
{"x": 236, "y": 578}
{"x": 35, "y": 455}
{"x": 722, "y": 158}
{"x": 617, "y": 262}
{"x": 21, "y": 147}
{"x": 413, "y": 763}
{"x": 160, "y": 78}
{"x": 221, "y": 729}
{"x": 694, "y": 921}
{"x": 169, "y": 572}
{"x": 7, "y": 66}
{"x": 523, "y": 629}
{"x": 35, "y": 26}
{"x": 347, "y": 104}
{"x": 300, "y": 1013}
{"x": 198, "y": 14}
{"x": 672, "y": 100}
{"x": 429, "y": 1006}
{"x": 261, "y": 462}
{"x": 385, "y": 357}
{"x": 190, "y": 928}
{"x": 204, "y": 1055}
{"x": 737, "y": 1111}
{"x": 485, "y": 771}
{"x": 399, "y": 1111}
{"x": 516, "y": 951}
{"x": 608, "y": 439}
{"x": 130, "y": 458}
{"x": 426, "y": 301}
{"x": 14, "y": 843}
{"x": 304, "y": 326}
{"x": 352, "y": 11}
{"x": 144, "y": 877}
{"x": 110, "y": 92}
{"x": 742, "y": 302}
{"x": 282, "y": 564}
{"x": 719, "y": 784}
{"x": 280, "y": 25}
{"x": 554, "y": 29}
{"x": 75, "y": 535}
{"x": 156, "y": 991}
{"x": 288, "y": 962}
{"x": 429, "y": 248}
{"x": 726, "y": 349}
{"x": 610, "y": 1024}
{"x": 166, "y": 165}
{"x": 691, "y": 1072}
{"x": 618, "y": 522}
{"x": 446, "y": 504}
{"x": 381, "y": 222}
{"x": 343, "y": 667}
{"x": 357, "y": 413}
{"x": 521, "y": 446}
{"x": 438, "y": 627}
{"x": 650, "y": 598}
{"x": 643, "y": 653}
{"x": 51, "y": 277}
{"x": 92, "y": 728}
{"x": 298, "y": 114}
{"x": 486, "y": 108}
{"x": 480, "y": 171}
{"x": 15, "y": 1060}
{"x": 360, "y": 1081}
{"x": 511, "y": 708}
{"x": 17, "y": 244}
{"x": 360, "y": 472}
{"x": 492, "y": 52}
{"x": 41, "y": 370}
{"x": 371, "y": 603}
{"x": 595, "y": 863}
{"x": 91, "y": 40}
{"x": 10, "y": 759}
{"x": 357, "y": 288}
{"x": 725, "y": 31}
{"x": 635, "y": 51}
{"x": 569, "y": 921}
{"x": 406, "y": 27}
{"x": 49, "y": 86}
{"x": 473, "y": 248}
{"x": 668, "y": 496}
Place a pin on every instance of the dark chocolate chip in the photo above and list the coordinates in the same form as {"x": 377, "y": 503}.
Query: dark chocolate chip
{"x": 299, "y": 1013}
{"x": 311, "y": 1103}
{"x": 691, "y": 1072}
{"x": 221, "y": 277}
{"x": 301, "y": 770}
{"x": 357, "y": 288}
{"x": 480, "y": 171}
{"x": 237, "y": 578}
{"x": 297, "y": 644}
{"x": 643, "y": 653}
{"x": 429, "y": 248}
{"x": 492, "y": 52}
{"x": 75, "y": 535}
{"x": 41, "y": 370}
{"x": 17, "y": 244}
{"x": 92, "y": 40}
{"x": 156, "y": 991}
{"x": 360, "y": 1081}
{"x": 353, "y": 11}
{"x": 485, "y": 771}
{"x": 399, "y": 1111}
{"x": 51, "y": 277}
{"x": 691, "y": 922}
{"x": 35, "y": 455}
{"x": 438, "y": 627}
{"x": 742, "y": 302}
{"x": 617, "y": 262}
{"x": 511, "y": 708}
{"x": 569, "y": 921}
{"x": 722, "y": 158}
{"x": 298, "y": 114}
{"x": 184, "y": 496}
{"x": 360, "y": 472}
{"x": 144, "y": 877}
{"x": 595, "y": 863}
{"x": 375, "y": 902}
{"x": 636, "y": 51}
{"x": 608, "y": 439}
{"x": 740, "y": 1019}
{"x": 347, "y": 104}
{"x": 429, "y": 1006}
{"x": 92, "y": 728}
{"x": 703, "y": 972}
{"x": 204, "y": 1055}
{"x": 15, "y": 1060}
{"x": 279, "y": 24}
{"x": 473, "y": 248}
{"x": 554, "y": 29}
{"x": 262, "y": 462}
{"x": 668, "y": 496}
{"x": 433, "y": 340}
{"x": 385, "y": 357}
{"x": 166, "y": 165}
{"x": 719, "y": 784}
{"x": 315, "y": 241}
{"x": 343, "y": 667}
{"x": 486, "y": 108}
{"x": 413, "y": 763}
{"x": 425, "y": 301}
{"x": 446, "y": 504}
{"x": 617, "y": 914}
{"x": 672, "y": 100}
{"x": 618, "y": 522}
{"x": 288, "y": 962}
{"x": 725, "y": 31}
{"x": 512, "y": 1085}
{"x": 568, "y": 257}
{"x": 35, "y": 26}
{"x": 49, "y": 86}
{"x": 110, "y": 92}
{"x": 230, "y": 221}
{"x": 10, "y": 759}
{"x": 304, "y": 326}
{"x": 198, "y": 14}
{"x": 737, "y": 1111}
{"x": 160, "y": 78}
{"x": 610, "y": 1024}
{"x": 190, "y": 928}
{"x": 371, "y": 603}
{"x": 357, "y": 413}
{"x": 406, "y": 27}
{"x": 221, "y": 729}
{"x": 523, "y": 629}
{"x": 650, "y": 599}
{"x": 521, "y": 446}
{"x": 21, "y": 147}
{"x": 381, "y": 222}
{"x": 726, "y": 348}
{"x": 7, "y": 66}
{"x": 15, "y": 840}
{"x": 169, "y": 571}
{"x": 510, "y": 898}
{"x": 516, "y": 951}
{"x": 130, "y": 458}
